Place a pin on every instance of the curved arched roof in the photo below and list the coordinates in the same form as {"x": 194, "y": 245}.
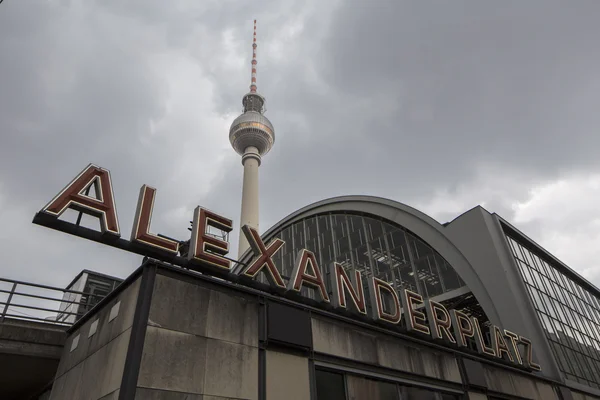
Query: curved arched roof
{"x": 427, "y": 228}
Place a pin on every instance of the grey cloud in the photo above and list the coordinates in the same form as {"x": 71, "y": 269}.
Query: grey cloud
{"x": 396, "y": 99}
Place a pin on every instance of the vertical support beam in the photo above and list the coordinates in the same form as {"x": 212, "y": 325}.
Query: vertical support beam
{"x": 138, "y": 334}
{"x": 262, "y": 343}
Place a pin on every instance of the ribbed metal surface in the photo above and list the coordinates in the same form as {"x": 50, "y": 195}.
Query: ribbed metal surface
{"x": 252, "y": 129}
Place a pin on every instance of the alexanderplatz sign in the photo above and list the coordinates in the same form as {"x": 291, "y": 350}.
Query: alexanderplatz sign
{"x": 406, "y": 310}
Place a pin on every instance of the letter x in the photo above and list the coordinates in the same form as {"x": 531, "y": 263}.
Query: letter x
{"x": 263, "y": 256}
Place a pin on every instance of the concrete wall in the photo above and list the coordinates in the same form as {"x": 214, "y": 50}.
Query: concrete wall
{"x": 476, "y": 396}
{"x": 287, "y": 376}
{"x": 199, "y": 341}
{"x": 514, "y": 384}
{"x": 91, "y": 367}
{"x": 343, "y": 340}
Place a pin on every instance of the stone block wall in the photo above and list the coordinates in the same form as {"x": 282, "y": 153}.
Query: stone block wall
{"x": 93, "y": 359}
{"x": 201, "y": 343}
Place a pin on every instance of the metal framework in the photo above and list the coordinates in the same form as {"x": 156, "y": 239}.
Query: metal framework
{"x": 27, "y": 301}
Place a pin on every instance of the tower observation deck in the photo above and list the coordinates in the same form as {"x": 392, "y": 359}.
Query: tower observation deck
{"x": 251, "y": 135}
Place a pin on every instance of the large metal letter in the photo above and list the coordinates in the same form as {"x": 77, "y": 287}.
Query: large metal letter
{"x": 263, "y": 257}
{"x": 341, "y": 283}
{"x": 514, "y": 339}
{"x": 140, "y": 232}
{"x": 528, "y": 361}
{"x": 499, "y": 343}
{"x": 480, "y": 340}
{"x": 312, "y": 277}
{"x": 378, "y": 311}
{"x": 201, "y": 242}
{"x": 463, "y": 327}
{"x": 439, "y": 321}
{"x": 72, "y": 196}
{"x": 415, "y": 320}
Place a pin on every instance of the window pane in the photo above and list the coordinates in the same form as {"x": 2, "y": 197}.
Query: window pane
{"x": 330, "y": 385}
{"x": 568, "y": 314}
{"x": 360, "y": 388}
{"x": 413, "y": 393}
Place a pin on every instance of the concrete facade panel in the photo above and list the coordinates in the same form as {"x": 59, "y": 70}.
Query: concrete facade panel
{"x": 97, "y": 376}
{"x": 287, "y": 377}
{"x": 217, "y": 398}
{"x": 404, "y": 357}
{"x": 172, "y": 302}
{"x": 231, "y": 370}
{"x": 106, "y": 331}
{"x": 232, "y": 318}
{"x": 173, "y": 361}
{"x": 24, "y": 348}
{"x": 154, "y": 394}
{"x": 343, "y": 341}
{"x": 477, "y": 396}
{"x": 27, "y": 333}
{"x": 112, "y": 396}
{"x": 68, "y": 384}
{"x": 515, "y": 384}
{"x": 186, "y": 307}
{"x": 103, "y": 370}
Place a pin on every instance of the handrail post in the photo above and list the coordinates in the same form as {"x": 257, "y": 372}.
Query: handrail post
{"x": 12, "y": 292}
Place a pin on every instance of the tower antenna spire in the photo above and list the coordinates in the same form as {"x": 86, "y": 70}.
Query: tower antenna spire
{"x": 253, "y": 78}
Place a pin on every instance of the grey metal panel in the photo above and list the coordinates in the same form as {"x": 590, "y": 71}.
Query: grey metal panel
{"x": 419, "y": 223}
{"x": 480, "y": 237}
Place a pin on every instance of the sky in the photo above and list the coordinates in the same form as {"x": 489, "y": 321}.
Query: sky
{"x": 441, "y": 105}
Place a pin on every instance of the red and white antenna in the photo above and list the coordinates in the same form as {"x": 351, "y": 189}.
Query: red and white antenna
{"x": 253, "y": 80}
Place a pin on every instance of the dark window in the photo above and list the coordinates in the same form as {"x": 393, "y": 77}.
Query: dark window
{"x": 414, "y": 393}
{"x": 330, "y": 385}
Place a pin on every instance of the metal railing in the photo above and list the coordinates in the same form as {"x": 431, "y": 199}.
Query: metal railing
{"x": 28, "y": 301}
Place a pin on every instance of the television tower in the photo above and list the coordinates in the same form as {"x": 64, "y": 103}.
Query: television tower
{"x": 252, "y": 136}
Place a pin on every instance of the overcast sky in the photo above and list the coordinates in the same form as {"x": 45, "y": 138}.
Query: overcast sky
{"x": 441, "y": 105}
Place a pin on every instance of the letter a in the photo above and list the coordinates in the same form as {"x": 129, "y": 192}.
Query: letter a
{"x": 72, "y": 196}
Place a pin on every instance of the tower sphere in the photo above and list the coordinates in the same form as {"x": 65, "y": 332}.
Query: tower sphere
{"x": 252, "y": 129}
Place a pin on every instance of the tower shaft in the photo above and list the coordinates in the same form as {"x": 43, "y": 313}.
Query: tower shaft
{"x": 249, "y": 215}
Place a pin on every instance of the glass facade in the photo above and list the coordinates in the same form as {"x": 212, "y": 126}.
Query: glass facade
{"x": 568, "y": 312}
{"x": 340, "y": 386}
{"x": 371, "y": 245}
